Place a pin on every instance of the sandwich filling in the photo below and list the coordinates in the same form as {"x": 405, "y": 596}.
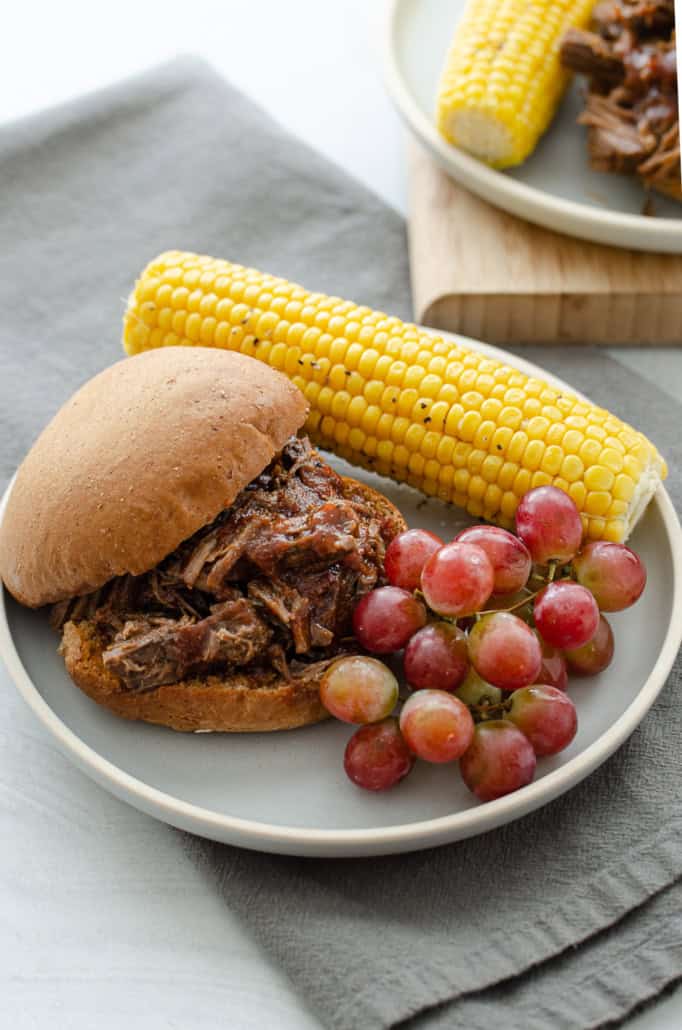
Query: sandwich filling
{"x": 270, "y": 583}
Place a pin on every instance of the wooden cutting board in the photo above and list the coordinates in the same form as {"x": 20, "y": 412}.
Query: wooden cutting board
{"x": 479, "y": 271}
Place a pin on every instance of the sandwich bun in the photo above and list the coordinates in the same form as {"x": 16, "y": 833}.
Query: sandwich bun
{"x": 138, "y": 460}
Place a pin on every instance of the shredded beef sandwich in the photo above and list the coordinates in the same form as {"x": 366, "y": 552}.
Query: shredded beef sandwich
{"x": 202, "y": 559}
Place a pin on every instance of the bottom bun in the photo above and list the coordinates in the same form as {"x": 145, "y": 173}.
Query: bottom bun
{"x": 236, "y": 703}
{"x": 229, "y": 704}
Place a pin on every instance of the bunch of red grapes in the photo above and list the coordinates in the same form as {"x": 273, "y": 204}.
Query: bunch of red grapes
{"x": 490, "y": 626}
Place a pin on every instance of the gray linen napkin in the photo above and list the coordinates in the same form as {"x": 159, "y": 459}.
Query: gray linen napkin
{"x": 488, "y": 930}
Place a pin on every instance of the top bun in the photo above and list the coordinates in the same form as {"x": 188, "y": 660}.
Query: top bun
{"x": 139, "y": 459}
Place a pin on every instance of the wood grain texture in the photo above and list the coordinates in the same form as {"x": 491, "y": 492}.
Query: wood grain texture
{"x": 480, "y": 271}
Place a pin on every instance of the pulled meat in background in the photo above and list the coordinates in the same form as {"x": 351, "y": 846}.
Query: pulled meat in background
{"x": 631, "y": 108}
{"x": 270, "y": 583}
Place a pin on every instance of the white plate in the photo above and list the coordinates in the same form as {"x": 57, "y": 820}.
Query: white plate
{"x": 287, "y": 792}
{"x": 555, "y": 187}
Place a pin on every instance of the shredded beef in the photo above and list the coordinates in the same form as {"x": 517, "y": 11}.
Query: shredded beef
{"x": 589, "y": 54}
{"x": 270, "y": 582}
{"x": 631, "y": 105}
{"x": 150, "y": 652}
{"x": 287, "y": 606}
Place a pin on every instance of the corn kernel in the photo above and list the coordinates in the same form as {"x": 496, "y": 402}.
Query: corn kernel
{"x": 599, "y": 478}
{"x": 484, "y": 434}
{"x": 613, "y": 530}
{"x": 356, "y": 439}
{"x": 340, "y": 403}
{"x": 355, "y": 411}
{"x": 416, "y": 464}
{"x": 429, "y": 444}
{"x": 492, "y": 499}
{"x": 555, "y": 434}
{"x": 468, "y": 425}
{"x": 178, "y": 323}
{"x": 623, "y": 488}
{"x": 461, "y": 481}
{"x": 595, "y": 528}
{"x": 413, "y": 376}
{"x": 385, "y": 450}
{"x": 401, "y": 455}
{"x": 453, "y": 420}
{"x": 446, "y": 475}
{"x": 590, "y": 451}
{"x": 507, "y": 475}
{"x": 367, "y": 361}
{"x": 552, "y": 460}
{"x": 537, "y": 427}
{"x": 509, "y": 504}
{"x": 475, "y": 460}
{"x": 517, "y": 446}
{"x": 370, "y": 419}
{"x": 477, "y": 487}
{"x": 491, "y": 468}
{"x": 522, "y": 482}
{"x": 414, "y": 436}
{"x": 399, "y": 428}
{"x": 578, "y": 492}
{"x": 597, "y": 502}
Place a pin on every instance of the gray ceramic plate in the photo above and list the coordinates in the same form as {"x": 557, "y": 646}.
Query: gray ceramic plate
{"x": 555, "y": 187}
{"x": 287, "y": 792}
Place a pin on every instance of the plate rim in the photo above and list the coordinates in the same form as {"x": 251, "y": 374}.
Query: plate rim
{"x": 639, "y": 232}
{"x": 395, "y": 837}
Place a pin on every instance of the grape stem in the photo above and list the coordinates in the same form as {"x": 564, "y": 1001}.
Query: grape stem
{"x": 490, "y": 711}
{"x": 513, "y": 607}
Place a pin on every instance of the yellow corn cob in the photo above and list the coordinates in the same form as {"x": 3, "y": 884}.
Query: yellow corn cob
{"x": 502, "y": 80}
{"x": 401, "y": 401}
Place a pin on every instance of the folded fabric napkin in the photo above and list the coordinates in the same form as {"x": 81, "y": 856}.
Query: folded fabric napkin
{"x": 569, "y": 917}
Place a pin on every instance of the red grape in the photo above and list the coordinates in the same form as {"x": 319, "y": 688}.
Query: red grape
{"x": 566, "y": 614}
{"x": 612, "y": 572}
{"x": 548, "y": 522}
{"x": 546, "y": 716}
{"x": 594, "y": 656}
{"x": 358, "y": 689}
{"x": 475, "y": 691}
{"x": 436, "y": 726}
{"x": 406, "y": 556}
{"x": 553, "y": 671}
{"x": 508, "y": 555}
{"x": 457, "y": 579}
{"x": 385, "y": 619}
{"x": 377, "y": 757}
{"x": 437, "y": 656}
{"x": 500, "y": 760}
{"x": 505, "y": 651}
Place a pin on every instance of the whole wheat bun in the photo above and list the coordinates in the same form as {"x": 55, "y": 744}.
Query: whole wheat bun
{"x": 139, "y": 459}
{"x": 237, "y": 703}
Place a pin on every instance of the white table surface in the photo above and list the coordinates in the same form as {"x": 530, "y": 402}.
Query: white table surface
{"x": 103, "y": 920}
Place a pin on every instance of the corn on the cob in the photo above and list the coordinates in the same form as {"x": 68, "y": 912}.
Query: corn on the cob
{"x": 502, "y": 79}
{"x": 402, "y": 401}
